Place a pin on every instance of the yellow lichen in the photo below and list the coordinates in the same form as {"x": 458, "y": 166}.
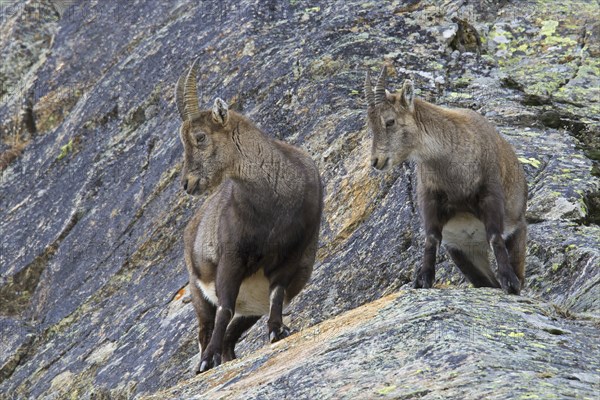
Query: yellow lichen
{"x": 386, "y": 390}
{"x": 531, "y": 161}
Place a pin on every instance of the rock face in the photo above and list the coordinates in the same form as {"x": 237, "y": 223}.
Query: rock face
{"x": 459, "y": 344}
{"x": 93, "y": 283}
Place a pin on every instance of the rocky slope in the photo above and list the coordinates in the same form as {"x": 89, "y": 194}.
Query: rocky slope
{"x": 460, "y": 344}
{"x": 92, "y": 281}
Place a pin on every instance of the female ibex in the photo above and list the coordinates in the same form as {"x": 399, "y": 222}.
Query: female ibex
{"x": 251, "y": 246}
{"x": 471, "y": 188}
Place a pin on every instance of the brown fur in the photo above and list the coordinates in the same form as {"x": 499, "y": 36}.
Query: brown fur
{"x": 251, "y": 246}
{"x": 471, "y": 187}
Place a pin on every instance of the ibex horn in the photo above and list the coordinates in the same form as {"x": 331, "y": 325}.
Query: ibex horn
{"x": 369, "y": 90}
{"x": 190, "y": 97}
{"x": 380, "y": 87}
{"x": 179, "y": 96}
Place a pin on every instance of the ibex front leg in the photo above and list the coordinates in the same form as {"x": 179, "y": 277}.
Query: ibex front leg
{"x": 277, "y": 330}
{"x": 433, "y": 236}
{"x": 229, "y": 278}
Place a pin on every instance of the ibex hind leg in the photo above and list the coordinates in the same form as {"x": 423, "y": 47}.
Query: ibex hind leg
{"x": 277, "y": 330}
{"x": 516, "y": 246}
{"x": 205, "y": 312}
{"x": 285, "y": 284}
{"x": 479, "y": 275}
{"x": 491, "y": 208}
{"x": 235, "y": 330}
{"x": 228, "y": 282}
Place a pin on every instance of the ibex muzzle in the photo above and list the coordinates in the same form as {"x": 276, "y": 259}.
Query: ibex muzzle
{"x": 390, "y": 123}
{"x": 190, "y": 185}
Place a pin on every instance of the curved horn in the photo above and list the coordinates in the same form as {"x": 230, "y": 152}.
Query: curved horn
{"x": 380, "y": 87}
{"x": 190, "y": 97}
{"x": 369, "y": 90}
{"x": 179, "y": 96}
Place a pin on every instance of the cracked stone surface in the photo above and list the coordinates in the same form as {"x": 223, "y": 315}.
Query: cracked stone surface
{"x": 451, "y": 343}
{"x": 92, "y": 280}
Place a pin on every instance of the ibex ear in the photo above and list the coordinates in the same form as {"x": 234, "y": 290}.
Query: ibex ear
{"x": 407, "y": 96}
{"x": 184, "y": 133}
{"x": 220, "y": 112}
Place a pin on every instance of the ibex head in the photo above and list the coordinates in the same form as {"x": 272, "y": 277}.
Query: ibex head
{"x": 391, "y": 122}
{"x": 206, "y": 137}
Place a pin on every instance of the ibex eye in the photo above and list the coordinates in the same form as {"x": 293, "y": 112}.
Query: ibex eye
{"x": 389, "y": 123}
{"x": 201, "y": 138}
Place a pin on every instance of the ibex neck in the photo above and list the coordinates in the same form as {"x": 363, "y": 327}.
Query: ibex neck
{"x": 264, "y": 172}
{"x": 437, "y": 136}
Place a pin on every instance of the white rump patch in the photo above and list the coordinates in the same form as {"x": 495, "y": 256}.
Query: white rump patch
{"x": 467, "y": 233}
{"x": 253, "y": 298}
{"x": 508, "y": 230}
{"x": 208, "y": 290}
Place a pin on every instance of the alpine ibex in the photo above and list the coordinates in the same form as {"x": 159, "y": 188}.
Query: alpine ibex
{"x": 471, "y": 187}
{"x": 251, "y": 246}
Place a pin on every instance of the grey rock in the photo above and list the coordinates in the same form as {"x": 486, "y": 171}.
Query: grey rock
{"x": 467, "y": 344}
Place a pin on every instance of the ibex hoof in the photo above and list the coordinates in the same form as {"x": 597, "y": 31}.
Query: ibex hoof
{"x": 228, "y": 354}
{"x": 423, "y": 280}
{"x": 510, "y": 283}
{"x": 203, "y": 367}
{"x": 208, "y": 363}
{"x": 278, "y": 334}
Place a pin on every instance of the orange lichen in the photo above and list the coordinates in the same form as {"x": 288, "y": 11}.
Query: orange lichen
{"x": 180, "y": 294}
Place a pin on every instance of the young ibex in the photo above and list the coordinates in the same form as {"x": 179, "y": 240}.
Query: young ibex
{"x": 251, "y": 246}
{"x": 470, "y": 185}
